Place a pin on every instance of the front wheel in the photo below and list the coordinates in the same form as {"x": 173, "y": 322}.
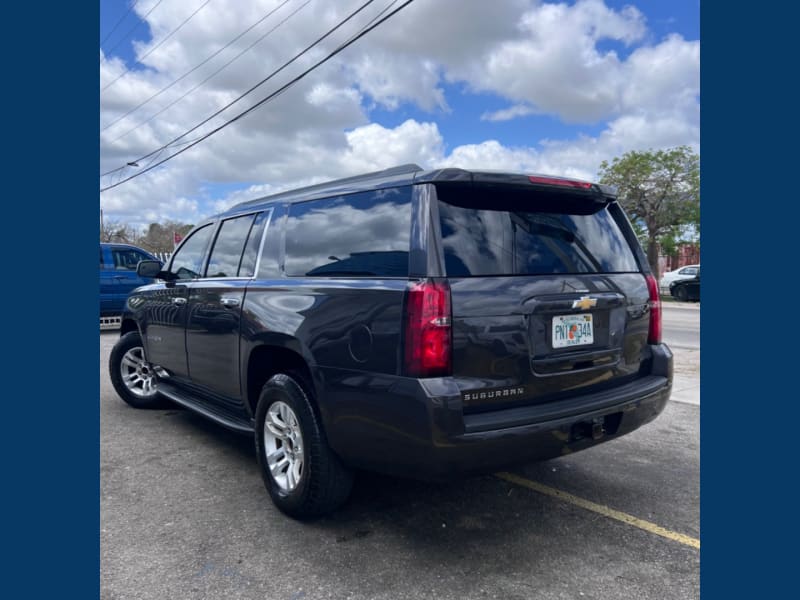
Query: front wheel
{"x": 303, "y": 476}
{"x": 131, "y": 375}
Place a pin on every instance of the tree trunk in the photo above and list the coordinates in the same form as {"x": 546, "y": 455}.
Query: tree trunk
{"x": 652, "y": 255}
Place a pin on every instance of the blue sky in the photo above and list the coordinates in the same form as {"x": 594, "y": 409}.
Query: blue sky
{"x": 520, "y": 85}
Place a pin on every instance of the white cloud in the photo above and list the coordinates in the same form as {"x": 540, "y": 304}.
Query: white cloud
{"x": 491, "y": 155}
{"x": 555, "y": 65}
{"x": 391, "y": 82}
{"x": 664, "y": 77}
{"x": 507, "y": 114}
{"x": 374, "y": 147}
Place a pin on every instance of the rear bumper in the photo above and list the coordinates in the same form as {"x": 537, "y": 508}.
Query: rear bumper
{"x": 491, "y": 444}
{"x": 417, "y": 428}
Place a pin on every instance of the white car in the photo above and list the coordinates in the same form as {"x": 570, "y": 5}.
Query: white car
{"x": 685, "y": 272}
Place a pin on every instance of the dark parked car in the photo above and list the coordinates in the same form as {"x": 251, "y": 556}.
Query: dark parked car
{"x": 418, "y": 323}
{"x": 118, "y": 276}
{"x": 686, "y": 289}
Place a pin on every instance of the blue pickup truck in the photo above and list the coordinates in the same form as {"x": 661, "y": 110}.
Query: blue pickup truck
{"x": 118, "y": 276}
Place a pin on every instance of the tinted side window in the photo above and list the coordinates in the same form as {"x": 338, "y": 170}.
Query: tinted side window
{"x": 227, "y": 252}
{"x": 188, "y": 260}
{"x": 359, "y": 235}
{"x": 496, "y": 233}
{"x": 127, "y": 259}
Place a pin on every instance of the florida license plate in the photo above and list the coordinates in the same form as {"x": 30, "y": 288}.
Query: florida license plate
{"x": 572, "y": 330}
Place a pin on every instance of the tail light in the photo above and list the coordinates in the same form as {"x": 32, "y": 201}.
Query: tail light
{"x": 654, "y": 337}
{"x": 584, "y": 185}
{"x": 428, "y": 330}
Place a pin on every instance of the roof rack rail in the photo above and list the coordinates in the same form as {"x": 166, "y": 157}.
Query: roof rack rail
{"x": 391, "y": 171}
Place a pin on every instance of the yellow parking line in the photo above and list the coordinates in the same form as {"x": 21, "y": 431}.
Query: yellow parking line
{"x": 600, "y": 509}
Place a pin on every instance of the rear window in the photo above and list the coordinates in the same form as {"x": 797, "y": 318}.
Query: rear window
{"x": 359, "y": 235}
{"x": 492, "y": 231}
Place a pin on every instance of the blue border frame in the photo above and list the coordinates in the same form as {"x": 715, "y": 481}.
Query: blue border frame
{"x": 51, "y": 434}
{"x": 749, "y": 415}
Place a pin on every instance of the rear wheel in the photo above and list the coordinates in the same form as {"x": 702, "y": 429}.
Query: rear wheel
{"x": 303, "y": 476}
{"x": 682, "y": 295}
{"x": 131, "y": 375}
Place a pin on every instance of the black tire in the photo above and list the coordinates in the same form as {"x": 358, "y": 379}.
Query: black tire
{"x": 682, "y": 295}
{"x": 324, "y": 483}
{"x": 131, "y": 375}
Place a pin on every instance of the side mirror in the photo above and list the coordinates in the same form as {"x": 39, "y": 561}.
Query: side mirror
{"x": 148, "y": 268}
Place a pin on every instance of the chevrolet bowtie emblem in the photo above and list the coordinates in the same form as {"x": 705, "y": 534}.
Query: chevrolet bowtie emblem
{"x": 584, "y": 303}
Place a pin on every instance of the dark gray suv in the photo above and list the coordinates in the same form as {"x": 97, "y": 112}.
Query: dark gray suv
{"x": 418, "y": 323}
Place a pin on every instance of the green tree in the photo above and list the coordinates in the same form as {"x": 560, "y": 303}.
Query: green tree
{"x": 669, "y": 244}
{"x": 660, "y": 191}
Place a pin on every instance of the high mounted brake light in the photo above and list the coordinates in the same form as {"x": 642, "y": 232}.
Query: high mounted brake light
{"x": 562, "y": 182}
{"x": 428, "y": 330}
{"x": 654, "y": 336}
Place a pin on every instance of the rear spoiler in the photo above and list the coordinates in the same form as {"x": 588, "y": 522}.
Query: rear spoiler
{"x": 550, "y": 183}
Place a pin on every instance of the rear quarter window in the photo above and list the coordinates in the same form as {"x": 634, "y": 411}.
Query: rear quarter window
{"x": 358, "y": 235}
{"x": 493, "y": 233}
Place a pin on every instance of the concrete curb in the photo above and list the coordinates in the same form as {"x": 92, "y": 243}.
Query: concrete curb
{"x": 685, "y": 390}
{"x": 681, "y": 305}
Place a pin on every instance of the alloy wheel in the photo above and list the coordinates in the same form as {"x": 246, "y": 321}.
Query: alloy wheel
{"x": 283, "y": 445}
{"x": 137, "y": 374}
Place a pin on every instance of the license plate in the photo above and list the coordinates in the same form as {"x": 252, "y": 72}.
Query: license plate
{"x": 572, "y": 330}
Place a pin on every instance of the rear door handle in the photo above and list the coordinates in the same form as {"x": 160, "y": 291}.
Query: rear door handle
{"x": 229, "y": 302}
{"x": 179, "y": 301}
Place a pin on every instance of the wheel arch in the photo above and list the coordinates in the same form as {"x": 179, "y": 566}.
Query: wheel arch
{"x": 127, "y": 326}
{"x": 279, "y": 354}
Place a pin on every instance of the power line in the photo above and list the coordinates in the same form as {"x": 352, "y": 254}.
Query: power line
{"x": 118, "y": 23}
{"x": 171, "y": 104}
{"x": 154, "y": 48}
{"x": 268, "y": 98}
{"x": 252, "y": 89}
{"x": 189, "y": 72}
{"x": 376, "y": 17}
{"x": 134, "y": 28}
